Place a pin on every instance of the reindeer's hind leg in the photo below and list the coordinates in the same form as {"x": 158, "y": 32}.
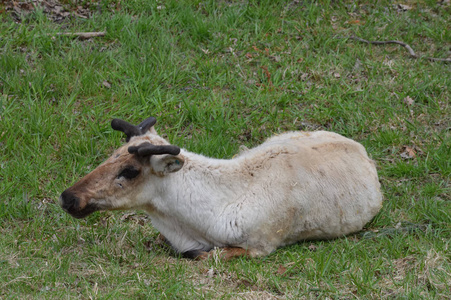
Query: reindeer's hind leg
{"x": 232, "y": 252}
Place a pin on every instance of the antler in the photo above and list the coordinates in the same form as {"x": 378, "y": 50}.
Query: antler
{"x": 131, "y": 130}
{"x": 145, "y": 149}
{"x": 148, "y": 149}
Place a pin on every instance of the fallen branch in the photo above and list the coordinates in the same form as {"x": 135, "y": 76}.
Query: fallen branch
{"x": 82, "y": 35}
{"x": 411, "y": 52}
{"x": 409, "y": 228}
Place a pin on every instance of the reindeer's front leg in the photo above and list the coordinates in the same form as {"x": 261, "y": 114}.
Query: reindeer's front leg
{"x": 226, "y": 253}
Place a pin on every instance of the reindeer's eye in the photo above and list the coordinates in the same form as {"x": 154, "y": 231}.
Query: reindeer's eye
{"x": 128, "y": 172}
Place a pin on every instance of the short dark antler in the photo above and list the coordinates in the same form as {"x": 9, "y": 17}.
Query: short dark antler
{"x": 147, "y": 149}
{"x": 132, "y": 130}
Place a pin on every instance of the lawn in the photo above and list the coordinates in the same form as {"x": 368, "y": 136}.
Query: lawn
{"x": 218, "y": 75}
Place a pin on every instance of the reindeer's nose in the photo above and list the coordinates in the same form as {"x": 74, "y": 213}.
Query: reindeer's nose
{"x": 69, "y": 202}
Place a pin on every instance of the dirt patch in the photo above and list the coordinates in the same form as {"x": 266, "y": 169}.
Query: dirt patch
{"x": 53, "y": 10}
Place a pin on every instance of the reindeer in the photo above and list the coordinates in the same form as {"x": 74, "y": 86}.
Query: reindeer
{"x": 295, "y": 186}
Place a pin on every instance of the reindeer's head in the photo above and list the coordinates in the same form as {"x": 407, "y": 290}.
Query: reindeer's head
{"x": 120, "y": 181}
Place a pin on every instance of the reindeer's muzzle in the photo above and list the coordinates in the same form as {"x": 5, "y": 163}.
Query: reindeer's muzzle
{"x": 72, "y": 205}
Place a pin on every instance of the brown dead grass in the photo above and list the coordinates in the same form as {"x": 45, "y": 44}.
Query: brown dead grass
{"x": 429, "y": 272}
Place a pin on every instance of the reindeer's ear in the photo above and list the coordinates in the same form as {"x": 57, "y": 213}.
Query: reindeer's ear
{"x": 147, "y": 125}
{"x": 165, "y": 164}
{"x": 153, "y": 131}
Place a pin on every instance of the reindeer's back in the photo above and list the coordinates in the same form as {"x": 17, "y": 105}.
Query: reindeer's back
{"x": 315, "y": 185}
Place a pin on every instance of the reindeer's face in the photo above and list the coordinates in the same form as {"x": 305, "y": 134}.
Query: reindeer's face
{"x": 118, "y": 183}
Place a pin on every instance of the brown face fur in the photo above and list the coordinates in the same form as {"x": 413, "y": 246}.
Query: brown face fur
{"x": 117, "y": 183}
{"x": 118, "y": 176}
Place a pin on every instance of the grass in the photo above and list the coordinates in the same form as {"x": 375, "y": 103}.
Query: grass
{"x": 217, "y": 75}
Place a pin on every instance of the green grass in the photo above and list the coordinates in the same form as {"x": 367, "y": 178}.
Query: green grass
{"x": 217, "y": 75}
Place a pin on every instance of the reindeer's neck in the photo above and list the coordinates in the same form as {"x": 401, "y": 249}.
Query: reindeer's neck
{"x": 218, "y": 179}
{"x": 202, "y": 184}
{"x": 202, "y": 193}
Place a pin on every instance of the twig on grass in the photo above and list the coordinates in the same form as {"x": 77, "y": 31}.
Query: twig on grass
{"x": 411, "y": 52}
{"x": 15, "y": 279}
{"x": 409, "y": 228}
{"x": 81, "y": 35}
